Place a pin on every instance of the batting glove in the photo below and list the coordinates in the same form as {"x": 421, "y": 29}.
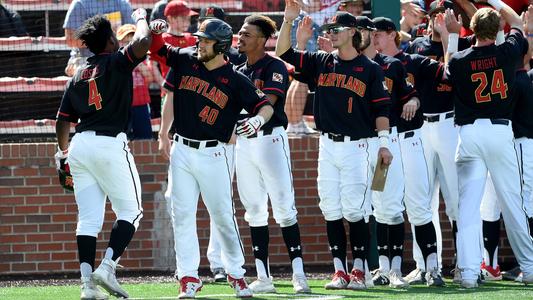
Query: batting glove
{"x": 63, "y": 170}
{"x": 250, "y": 126}
{"x": 158, "y": 26}
{"x": 138, "y": 14}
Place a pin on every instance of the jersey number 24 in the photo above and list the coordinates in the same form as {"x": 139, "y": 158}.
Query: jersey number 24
{"x": 94, "y": 96}
{"x": 497, "y": 86}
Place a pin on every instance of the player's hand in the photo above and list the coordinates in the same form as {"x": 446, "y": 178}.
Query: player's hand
{"x": 63, "y": 170}
{"x": 325, "y": 44}
{"x": 304, "y": 31}
{"x": 250, "y": 126}
{"x": 60, "y": 155}
{"x": 164, "y": 146}
{"x": 439, "y": 24}
{"x": 528, "y": 20}
{"x": 233, "y": 139}
{"x": 385, "y": 155}
{"x": 158, "y": 26}
{"x": 453, "y": 25}
{"x": 138, "y": 14}
{"x": 409, "y": 109}
{"x": 292, "y": 10}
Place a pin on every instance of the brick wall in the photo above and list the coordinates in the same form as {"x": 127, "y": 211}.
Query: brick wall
{"x": 38, "y": 219}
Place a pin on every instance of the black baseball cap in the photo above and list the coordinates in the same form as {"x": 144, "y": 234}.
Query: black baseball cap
{"x": 364, "y": 22}
{"x": 344, "y": 2}
{"x": 438, "y": 6}
{"x": 340, "y": 19}
{"x": 212, "y": 11}
{"x": 384, "y": 24}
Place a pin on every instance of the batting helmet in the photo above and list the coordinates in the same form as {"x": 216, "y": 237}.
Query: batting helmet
{"x": 218, "y": 30}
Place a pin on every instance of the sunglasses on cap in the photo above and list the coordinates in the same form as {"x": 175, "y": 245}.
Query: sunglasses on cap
{"x": 335, "y": 30}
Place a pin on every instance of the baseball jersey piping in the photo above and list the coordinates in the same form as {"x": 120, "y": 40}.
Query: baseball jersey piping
{"x": 134, "y": 185}
{"x": 288, "y": 162}
{"x": 231, "y": 199}
{"x": 520, "y": 174}
{"x": 367, "y": 174}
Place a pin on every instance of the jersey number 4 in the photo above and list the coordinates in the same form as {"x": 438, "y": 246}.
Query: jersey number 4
{"x": 497, "y": 86}
{"x": 208, "y": 115}
{"x": 94, "y": 96}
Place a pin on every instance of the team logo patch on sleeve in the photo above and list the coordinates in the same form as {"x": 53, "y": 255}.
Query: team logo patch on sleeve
{"x": 260, "y": 93}
{"x": 277, "y": 77}
{"x": 385, "y": 85}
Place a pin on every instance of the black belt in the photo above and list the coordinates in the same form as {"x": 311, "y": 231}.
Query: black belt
{"x": 338, "y": 137}
{"x": 494, "y": 122}
{"x": 106, "y": 133}
{"x": 267, "y": 131}
{"x": 195, "y": 144}
{"x": 436, "y": 118}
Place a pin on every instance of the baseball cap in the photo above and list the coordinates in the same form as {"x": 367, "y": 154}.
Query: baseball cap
{"x": 344, "y": 2}
{"x": 419, "y": 3}
{"x": 438, "y": 6}
{"x": 340, "y": 19}
{"x": 124, "y": 30}
{"x": 365, "y": 23}
{"x": 384, "y": 24}
{"x": 212, "y": 11}
{"x": 178, "y": 8}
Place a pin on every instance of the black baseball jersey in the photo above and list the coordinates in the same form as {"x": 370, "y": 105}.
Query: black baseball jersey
{"x": 100, "y": 93}
{"x": 484, "y": 78}
{"x": 235, "y": 57}
{"x": 523, "y": 111}
{"x": 349, "y": 95}
{"x": 400, "y": 89}
{"x": 207, "y": 102}
{"x": 423, "y": 73}
{"x": 441, "y": 97}
{"x": 270, "y": 75}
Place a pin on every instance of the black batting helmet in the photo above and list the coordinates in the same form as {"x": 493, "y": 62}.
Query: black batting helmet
{"x": 218, "y": 30}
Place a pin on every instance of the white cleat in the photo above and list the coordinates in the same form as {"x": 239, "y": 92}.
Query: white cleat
{"x": 396, "y": 280}
{"x": 262, "y": 285}
{"x": 300, "y": 285}
{"x": 340, "y": 281}
{"x": 469, "y": 283}
{"x": 369, "y": 282}
{"x": 241, "y": 287}
{"x": 417, "y": 276}
{"x": 105, "y": 277}
{"x": 189, "y": 286}
{"x": 357, "y": 280}
{"x": 527, "y": 279}
{"x": 457, "y": 276}
{"x": 89, "y": 291}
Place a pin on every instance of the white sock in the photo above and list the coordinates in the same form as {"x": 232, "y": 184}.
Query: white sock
{"x": 358, "y": 264}
{"x": 261, "y": 269}
{"x": 431, "y": 263}
{"x": 108, "y": 253}
{"x": 384, "y": 264}
{"x": 297, "y": 266}
{"x": 339, "y": 266}
{"x": 86, "y": 269}
{"x": 396, "y": 263}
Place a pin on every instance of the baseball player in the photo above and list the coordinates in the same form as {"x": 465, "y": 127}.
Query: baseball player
{"x": 263, "y": 160}
{"x": 388, "y": 205}
{"x": 420, "y": 72}
{"x": 439, "y": 136}
{"x": 351, "y": 103}
{"x": 485, "y": 75}
{"x": 207, "y": 95}
{"x": 99, "y": 98}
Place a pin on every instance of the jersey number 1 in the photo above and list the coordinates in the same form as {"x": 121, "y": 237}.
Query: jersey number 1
{"x": 94, "y": 96}
{"x": 497, "y": 86}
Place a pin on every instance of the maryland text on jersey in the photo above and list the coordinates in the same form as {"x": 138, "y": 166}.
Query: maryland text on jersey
{"x": 201, "y": 86}
{"x": 342, "y": 81}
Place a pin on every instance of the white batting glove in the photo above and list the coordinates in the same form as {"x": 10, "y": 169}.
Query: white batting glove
{"x": 250, "y": 126}
{"x": 158, "y": 26}
{"x": 138, "y": 14}
{"x": 60, "y": 154}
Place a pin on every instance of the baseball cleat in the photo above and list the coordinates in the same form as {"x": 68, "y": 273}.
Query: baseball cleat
{"x": 357, "y": 280}
{"x": 457, "y": 276}
{"x": 189, "y": 286}
{"x": 528, "y": 279}
{"x": 105, "y": 277}
{"x": 469, "y": 283}
{"x": 490, "y": 273}
{"x": 262, "y": 285}
{"x": 417, "y": 276}
{"x": 338, "y": 282}
{"x": 89, "y": 291}
{"x": 368, "y": 280}
{"x": 380, "y": 278}
{"x": 519, "y": 277}
{"x": 396, "y": 280}
{"x": 434, "y": 278}
{"x": 300, "y": 285}
{"x": 241, "y": 287}
{"x": 219, "y": 275}
{"x": 511, "y": 274}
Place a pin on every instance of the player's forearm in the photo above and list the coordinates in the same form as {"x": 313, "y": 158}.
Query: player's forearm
{"x": 507, "y": 13}
{"x": 167, "y": 115}
{"x": 142, "y": 39}
{"x": 62, "y": 133}
{"x": 284, "y": 39}
{"x": 266, "y": 112}
{"x": 382, "y": 123}
{"x": 468, "y": 7}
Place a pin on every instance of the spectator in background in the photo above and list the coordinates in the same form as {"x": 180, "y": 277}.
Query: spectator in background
{"x": 118, "y": 12}
{"x": 413, "y": 14}
{"x": 139, "y": 126}
{"x": 10, "y": 22}
{"x": 158, "y": 12}
{"x": 355, "y": 7}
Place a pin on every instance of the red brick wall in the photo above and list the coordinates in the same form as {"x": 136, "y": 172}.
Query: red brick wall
{"x": 38, "y": 219}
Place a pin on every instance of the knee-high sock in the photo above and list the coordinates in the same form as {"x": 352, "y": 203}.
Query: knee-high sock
{"x": 260, "y": 237}
{"x": 382, "y": 237}
{"x": 86, "y": 254}
{"x": 396, "y": 239}
{"x": 531, "y": 226}
{"x": 337, "y": 243}
{"x": 427, "y": 241}
{"x": 291, "y": 236}
{"x": 359, "y": 236}
{"x": 491, "y": 239}
{"x": 454, "y": 232}
{"x": 121, "y": 235}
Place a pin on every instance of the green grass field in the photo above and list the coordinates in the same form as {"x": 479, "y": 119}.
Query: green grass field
{"x": 500, "y": 290}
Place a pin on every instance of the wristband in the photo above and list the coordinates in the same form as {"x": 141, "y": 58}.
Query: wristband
{"x": 383, "y": 136}
{"x": 288, "y": 21}
{"x": 497, "y": 4}
{"x": 500, "y": 37}
{"x": 63, "y": 152}
{"x": 453, "y": 43}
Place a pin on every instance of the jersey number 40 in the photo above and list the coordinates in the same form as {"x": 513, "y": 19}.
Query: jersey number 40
{"x": 94, "y": 96}
{"x": 497, "y": 86}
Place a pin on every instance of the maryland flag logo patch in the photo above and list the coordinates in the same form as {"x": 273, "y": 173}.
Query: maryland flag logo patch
{"x": 260, "y": 93}
{"x": 277, "y": 77}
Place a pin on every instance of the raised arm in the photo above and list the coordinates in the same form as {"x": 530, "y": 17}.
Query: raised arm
{"x": 508, "y": 14}
{"x": 142, "y": 37}
{"x": 292, "y": 10}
